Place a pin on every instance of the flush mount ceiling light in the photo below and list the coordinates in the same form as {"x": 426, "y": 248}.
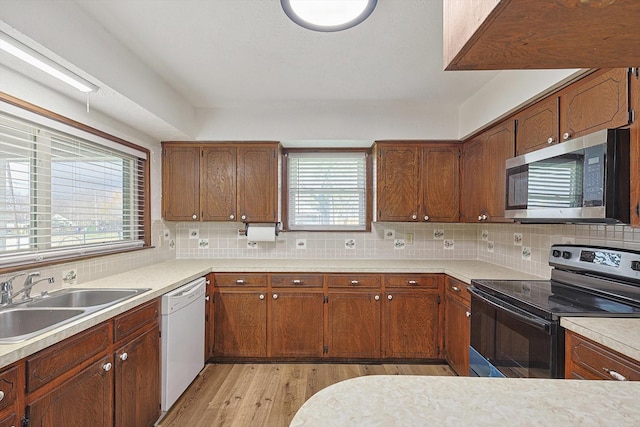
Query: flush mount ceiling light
{"x": 328, "y": 15}
{"x": 38, "y": 60}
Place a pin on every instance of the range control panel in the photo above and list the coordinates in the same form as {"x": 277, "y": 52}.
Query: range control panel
{"x": 610, "y": 261}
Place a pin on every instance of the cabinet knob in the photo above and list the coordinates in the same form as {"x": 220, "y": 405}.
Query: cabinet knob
{"x": 261, "y": 296}
{"x": 467, "y": 313}
{"x": 615, "y": 375}
{"x": 194, "y": 216}
{"x": 124, "y": 356}
{"x": 414, "y": 216}
{"x": 1, "y": 395}
{"x": 243, "y": 217}
{"x": 355, "y": 282}
{"x": 426, "y": 217}
{"x": 275, "y": 296}
{"x": 389, "y": 297}
{"x": 566, "y": 135}
{"x": 240, "y": 281}
{"x": 455, "y": 288}
{"x": 232, "y": 216}
{"x": 207, "y": 298}
{"x": 482, "y": 217}
{"x": 297, "y": 282}
{"x": 412, "y": 282}
{"x": 377, "y": 298}
{"x": 551, "y": 140}
{"x": 107, "y": 366}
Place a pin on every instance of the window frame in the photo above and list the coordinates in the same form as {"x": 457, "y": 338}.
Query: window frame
{"x": 144, "y": 183}
{"x": 368, "y": 186}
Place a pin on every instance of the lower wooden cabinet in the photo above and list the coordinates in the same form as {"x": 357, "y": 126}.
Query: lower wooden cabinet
{"x": 354, "y": 324}
{"x": 588, "y": 360}
{"x": 457, "y": 325}
{"x": 296, "y": 322}
{"x": 241, "y": 323}
{"x": 209, "y": 318}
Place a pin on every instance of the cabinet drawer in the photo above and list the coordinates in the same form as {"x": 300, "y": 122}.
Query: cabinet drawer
{"x": 135, "y": 320}
{"x": 48, "y": 364}
{"x": 296, "y": 280}
{"x": 602, "y": 362}
{"x": 411, "y": 281}
{"x": 353, "y": 280}
{"x": 458, "y": 290}
{"x": 8, "y": 387}
{"x": 241, "y": 279}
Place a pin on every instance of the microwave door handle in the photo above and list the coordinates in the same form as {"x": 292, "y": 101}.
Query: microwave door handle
{"x": 512, "y": 311}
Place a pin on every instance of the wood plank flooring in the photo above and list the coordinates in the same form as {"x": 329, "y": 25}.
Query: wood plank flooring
{"x": 243, "y": 395}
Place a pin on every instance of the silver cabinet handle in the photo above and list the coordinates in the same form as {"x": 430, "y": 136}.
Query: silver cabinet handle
{"x": 412, "y": 282}
{"x": 414, "y": 216}
{"x": 1, "y": 395}
{"x": 232, "y": 216}
{"x": 275, "y": 296}
{"x": 243, "y": 217}
{"x": 377, "y": 298}
{"x": 261, "y": 297}
{"x": 297, "y": 282}
{"x": 355, "y": 282}
{"x": 468, "y": 313}
{"x": 455, "y": 288}
{"x": 107, "y": 366}
{"x": 124, "y": 356}
{"x": 194, "y": 216}
{"x": 240, "y": 281}
{"x": 566, "y": 135}
{"x": 426, "y": 217}
{"x": 550, "y": 140}
{"x": 615, "y": 375}
{"x": 389, "y": 297}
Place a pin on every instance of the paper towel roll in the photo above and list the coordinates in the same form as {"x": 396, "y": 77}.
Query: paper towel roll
{"x": 261, "y": 233}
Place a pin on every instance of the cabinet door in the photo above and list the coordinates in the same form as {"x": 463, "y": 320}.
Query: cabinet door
{"x": 474, "y": 178}
{"x": 354, "y": 324}
{"x": 84, "y": 400}
{"x": 137, "y": 396}
{"x": 296, "y": 324}
{"x": 412, "y": 324}
{"x": 181, "y": 183}
{"x": 257, "y": 184}
{"x": 9, "y": 421}
{"x": 440, "y": 184}
{"x": 586, "y": 359}
{"x": 241, "y": 323}
{"x": 537, "y": 126}
{"x": 599, "y": 101}
{"x": 209, "y": 316}
{"x": 397, "y": 183}
{"x": 499, "y": 147}
{"x": 457, "y": 330}
{"x": 218, "y": 180}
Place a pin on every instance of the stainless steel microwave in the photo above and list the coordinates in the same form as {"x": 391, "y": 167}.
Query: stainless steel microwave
{"x": 582, "y": 180}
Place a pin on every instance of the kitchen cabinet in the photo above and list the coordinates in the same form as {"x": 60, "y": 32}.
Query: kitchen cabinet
{"x": 483, "y": 173}
{"x": 296, "y": 315}
{"x": 354, "y": 316}
{"x": 417, "y": 182}
{"x": 11, "y": 394}
{"x": 209, "y": 316}
{"x": 588, "y": 360}
{"x": 634, "y": 154}
{"x": 412, "y": 316}
{"x": 598, "y": 101}
{"x": 506, "y": 34}
{"x": 457, "y": 325}
{"x": 537, "y": 126}
{"x": 240, "y": 315}
{"x": 220, "y": 182}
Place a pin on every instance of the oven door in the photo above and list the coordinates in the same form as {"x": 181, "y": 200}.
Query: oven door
{"x": 516, "y": 343}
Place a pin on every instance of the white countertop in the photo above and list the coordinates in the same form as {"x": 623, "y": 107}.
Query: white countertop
{"x": 164, "y": 277}
{"x": 388, "y": 401}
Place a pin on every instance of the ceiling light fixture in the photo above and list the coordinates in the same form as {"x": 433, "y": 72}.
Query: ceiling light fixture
{"x": 328, "y": 15}
{"x": 30, "y": 56}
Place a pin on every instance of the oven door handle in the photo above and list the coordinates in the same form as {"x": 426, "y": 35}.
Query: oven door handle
{"x": 530, "y": 320}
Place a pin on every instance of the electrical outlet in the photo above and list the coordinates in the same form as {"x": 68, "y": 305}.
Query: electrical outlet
{"x": 408, "y": 238}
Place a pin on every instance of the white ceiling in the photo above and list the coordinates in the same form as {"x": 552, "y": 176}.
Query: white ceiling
{"x": 215, "y": 54}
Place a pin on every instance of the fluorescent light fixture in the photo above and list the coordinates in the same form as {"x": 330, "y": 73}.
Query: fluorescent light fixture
{"x": 328, "y": 15}
{"x": 25, "y": 53}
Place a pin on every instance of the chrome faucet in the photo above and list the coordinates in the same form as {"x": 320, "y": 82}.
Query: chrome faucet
{"x": 28, "y": 284}
{"x": 6, "y": 290}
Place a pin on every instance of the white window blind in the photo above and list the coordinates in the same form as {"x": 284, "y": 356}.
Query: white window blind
{"x": 327, "y": 191}
{"x": 63, "y": 196}
{"x": 555, "y": 183}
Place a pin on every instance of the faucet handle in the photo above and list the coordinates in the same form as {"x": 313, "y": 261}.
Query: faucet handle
{"x": 9, "y": 281}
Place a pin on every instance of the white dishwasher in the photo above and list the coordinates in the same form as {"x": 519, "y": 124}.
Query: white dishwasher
{"x": 182, "y": 339}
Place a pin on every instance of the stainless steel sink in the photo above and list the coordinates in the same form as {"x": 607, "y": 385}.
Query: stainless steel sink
{"x": 85, "y": 297}
{"x": 19, "y": 324}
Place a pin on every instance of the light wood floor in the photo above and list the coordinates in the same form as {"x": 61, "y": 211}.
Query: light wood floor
{"x": 239, "y": 395}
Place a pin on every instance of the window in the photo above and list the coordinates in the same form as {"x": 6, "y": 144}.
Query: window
{"x": 327, "y": 190}
{"x": 66, "y": 192}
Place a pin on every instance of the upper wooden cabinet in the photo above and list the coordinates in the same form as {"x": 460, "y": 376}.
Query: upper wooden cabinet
{"x": 537, "y": 126}
{"x": 220, "y": 182}
{"x": 519, "y": 34}
{"x": 599, "y": 101}
{"x": 483, "y": 174}
{"x": 417, "y": 182}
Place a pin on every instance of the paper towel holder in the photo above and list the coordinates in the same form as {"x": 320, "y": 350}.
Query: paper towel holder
{"x": 275, "y": 224}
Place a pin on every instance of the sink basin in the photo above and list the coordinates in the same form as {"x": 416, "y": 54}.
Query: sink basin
{"x": 71, "y": 298}
{"x": 19, "y": 324}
